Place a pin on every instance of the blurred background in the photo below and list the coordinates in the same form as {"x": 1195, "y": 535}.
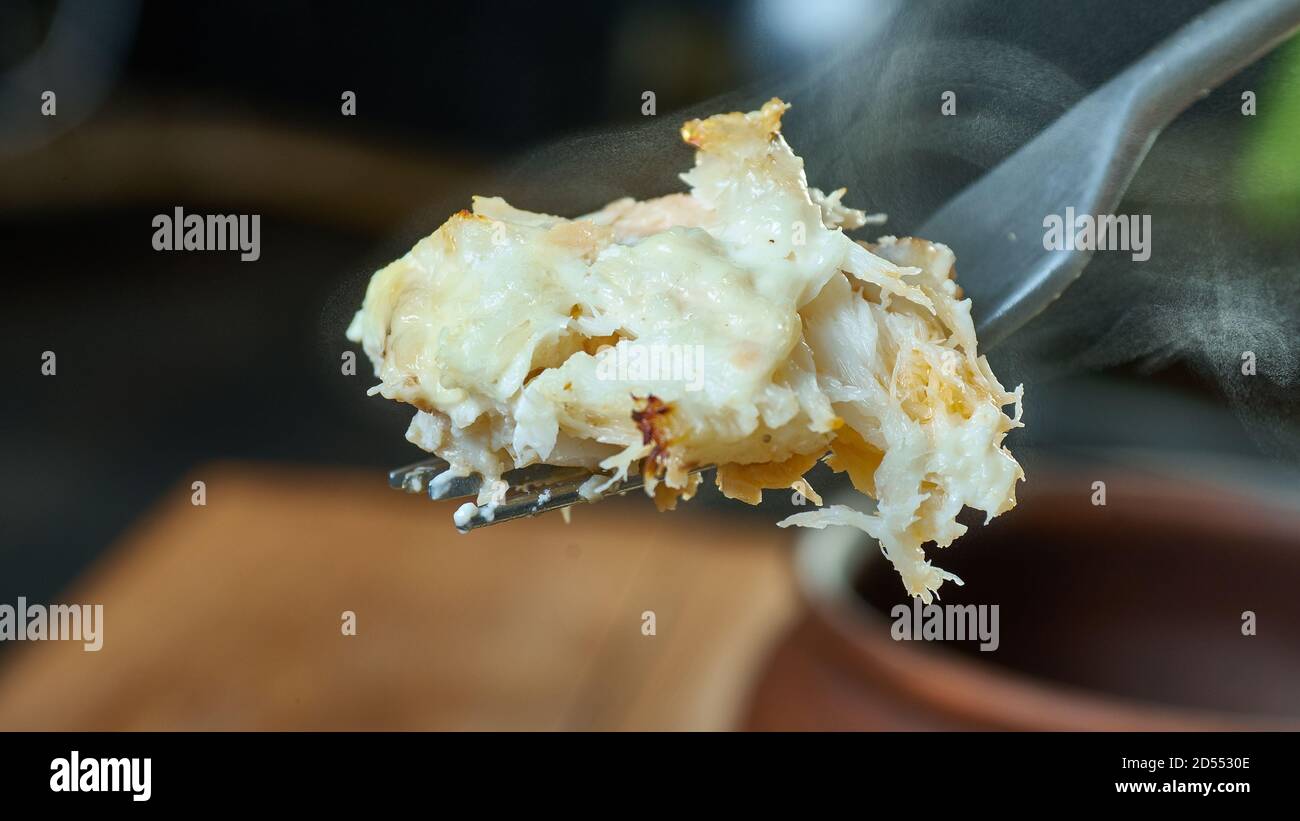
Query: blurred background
{"x": 177, "y": 367}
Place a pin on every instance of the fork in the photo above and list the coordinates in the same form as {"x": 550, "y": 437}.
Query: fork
{"x": 1084, "y": 160}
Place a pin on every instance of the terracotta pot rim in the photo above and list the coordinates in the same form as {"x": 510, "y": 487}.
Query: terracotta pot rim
{"x": 827, "y": 563}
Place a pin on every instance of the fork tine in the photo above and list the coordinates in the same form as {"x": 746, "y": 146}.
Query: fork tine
{"x": 529, "y": 504}
{"x": 520, "y": 481}
{"x": 532, "y": 490}
{"x": 412, "y": 478}
{"x": 434, "y": 476}
{"x": 559, "y": 492}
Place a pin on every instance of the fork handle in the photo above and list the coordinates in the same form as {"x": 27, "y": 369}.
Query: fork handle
{"x": 1201, "y": 55}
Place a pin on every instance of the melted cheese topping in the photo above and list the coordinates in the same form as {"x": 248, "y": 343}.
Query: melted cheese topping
{"x": 523, "y": 337}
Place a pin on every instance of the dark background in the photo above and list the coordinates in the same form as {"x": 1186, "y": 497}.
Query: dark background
{"x": 169, "y": 360}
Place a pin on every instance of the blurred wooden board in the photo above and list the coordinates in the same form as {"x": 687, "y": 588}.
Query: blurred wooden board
{"x": 228, "y": 616}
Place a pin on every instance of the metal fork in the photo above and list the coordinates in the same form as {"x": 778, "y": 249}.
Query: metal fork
{"x": 1084, "y": 160}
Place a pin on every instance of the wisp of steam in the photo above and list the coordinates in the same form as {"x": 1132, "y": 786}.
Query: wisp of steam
{"x": 868, "y": 115}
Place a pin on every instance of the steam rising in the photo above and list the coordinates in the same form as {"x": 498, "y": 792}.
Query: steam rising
{"x": 867, "y": 116}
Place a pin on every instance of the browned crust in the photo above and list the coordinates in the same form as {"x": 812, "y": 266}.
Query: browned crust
{"x": 651, "y": 416}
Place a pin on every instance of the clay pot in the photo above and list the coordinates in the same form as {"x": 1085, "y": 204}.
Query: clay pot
{"x": 1127, "y": 616}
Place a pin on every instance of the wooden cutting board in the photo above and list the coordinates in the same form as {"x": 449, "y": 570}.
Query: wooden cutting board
{"x": 230, "y": 615}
